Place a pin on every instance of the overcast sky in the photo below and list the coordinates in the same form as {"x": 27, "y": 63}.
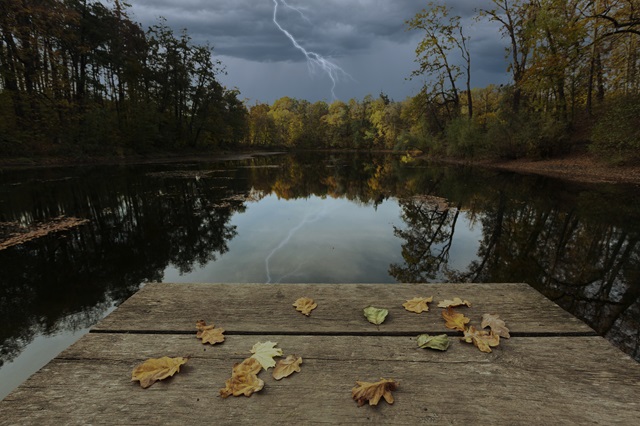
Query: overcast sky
{"x": 365, "y": 38}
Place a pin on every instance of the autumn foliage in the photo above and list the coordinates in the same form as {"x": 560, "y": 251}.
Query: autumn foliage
{"x": 244, "y": 380}
{"x": 155, "y": 369}
{"x": 373, "y": 392}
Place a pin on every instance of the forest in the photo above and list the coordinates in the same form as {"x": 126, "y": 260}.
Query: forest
{"x": 80, "y": 78}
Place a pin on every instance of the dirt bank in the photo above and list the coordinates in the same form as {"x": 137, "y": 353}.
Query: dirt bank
{"x": 582, "y": 167}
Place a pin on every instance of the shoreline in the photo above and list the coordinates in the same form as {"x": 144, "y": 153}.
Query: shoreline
{"x": 580, "y": 167}
{"x": 164, "y": 158}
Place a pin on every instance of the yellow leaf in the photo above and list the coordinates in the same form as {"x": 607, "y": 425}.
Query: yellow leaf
{"x": 155, "y": 369}
{"x": 372, "y": 392}
{"x": 418, "y": 304}
{"x": 244, "y": 379}
{"x": 264, "y": 353}
{"x": 208, "y": 333}
{"x": 497, "y": 325}
{"x": 305, "y": 305}
{"x": 453, "y": 303}
{"x": 286, "y": 367}
{"x": 482, "y": 339}
{"x": 454, "y": 320}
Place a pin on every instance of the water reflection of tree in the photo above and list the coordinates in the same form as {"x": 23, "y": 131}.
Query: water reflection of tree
{"x": 138, "y": 226}
{"x": 563, "y": 241}
{"x": 589, "y": 268}
{"x": 430, "y": 225}
{"x": 587, "y": 264}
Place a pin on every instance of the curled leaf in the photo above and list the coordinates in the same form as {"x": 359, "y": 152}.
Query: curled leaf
{"x": 305, "y": 305}
{"x": 453, "y": 303}
{"x": 481, "y": 339}
{"x": 155, "y": 369}
{"x": 454, "y": 320}
{"x": 208, "y": 333}
{"x": 286, "y": 367}
{"x": 418, "y": 304}
{"x": 264, "y": 353}
{"x": 375, "y": 315}
{"x": 244, "y": 379}
{"x": 440, "y": 342}
{"x": 372, "y": 392}
{"x": 497, "y": 325}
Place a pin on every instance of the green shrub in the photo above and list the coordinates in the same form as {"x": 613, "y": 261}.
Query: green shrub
{"x": 616, "y": 134}
{"x": 465, "y": 138}
{"x": 527, "y": 134}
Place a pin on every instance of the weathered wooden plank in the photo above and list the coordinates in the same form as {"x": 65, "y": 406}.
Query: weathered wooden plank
{"x": 261, "y": 308}
{"x": 533, "y": 380}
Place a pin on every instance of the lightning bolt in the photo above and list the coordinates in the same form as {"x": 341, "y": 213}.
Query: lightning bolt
{"x": 314, "y": 60}
{"x": 295, "y": 9}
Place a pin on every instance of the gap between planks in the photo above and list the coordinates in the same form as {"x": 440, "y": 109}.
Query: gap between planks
{"x": 346, "y": 333}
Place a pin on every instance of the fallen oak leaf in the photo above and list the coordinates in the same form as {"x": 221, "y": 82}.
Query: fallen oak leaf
{"x": 286, "y": 367}
{"x": 249, "y": 365}
{"x": 454, "y": 303}
{"x": 454, "y": 320}
{"x": 264, "y": 353}
{"x": 372, "y": 392}
{"x": 244, "y": 379}
{"x": 497, "y": 325}
{"x": 305, "y": 305}
{"x": 440, "y": 342}
{"x": 482, "y": 339}
{"x": 208, "y": 333}
{"x": 418, "y": 304}
{"x": 155, "y": 369}
{"x": 375, "y": 315}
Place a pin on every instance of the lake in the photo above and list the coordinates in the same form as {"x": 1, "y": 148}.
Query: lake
{"x": 312, "y": 218}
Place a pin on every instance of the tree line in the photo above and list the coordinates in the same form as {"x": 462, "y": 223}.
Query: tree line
{"x": 79, "y": 77}
{"x": 575, "y": 77}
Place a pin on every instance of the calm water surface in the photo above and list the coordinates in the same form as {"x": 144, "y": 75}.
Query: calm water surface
{"x": 321, "y": 218}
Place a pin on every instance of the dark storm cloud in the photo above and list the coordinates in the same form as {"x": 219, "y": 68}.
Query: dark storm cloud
{"x": 367, "y": 38}
{"x": 244, "y": 28}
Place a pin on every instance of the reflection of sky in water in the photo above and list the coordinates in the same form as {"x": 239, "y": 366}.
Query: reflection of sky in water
{"x": 318, "y": 240}
{"x": 38, "y": 353}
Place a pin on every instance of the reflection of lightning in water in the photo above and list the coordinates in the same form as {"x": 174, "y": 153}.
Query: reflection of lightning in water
{"x": 292, "y": 273}
{"x": 314, "y": 59}
{"x": 309, "y": 218}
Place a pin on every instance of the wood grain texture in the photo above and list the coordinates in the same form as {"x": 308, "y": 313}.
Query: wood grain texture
{"x": 553, "y": 371}
{"x": 526, "y": 380}
{"x": 267, "y": 308}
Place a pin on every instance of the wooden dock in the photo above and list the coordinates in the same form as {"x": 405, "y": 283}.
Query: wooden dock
{"x": 553, "y": 370}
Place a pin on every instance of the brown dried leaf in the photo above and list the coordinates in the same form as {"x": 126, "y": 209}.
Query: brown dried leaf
{"x": 244, "y": 379}
{"x": 155, "y": 369}
{"x": 305, "y": 305}
{"x": 454, "y": 320}
{"x": 286, "y": 367}
{"x": 453, "y": 303}
{"x": 418, "y": 304}
{"x": 497, "y": 325}
{"x": 481, "y": 338}
{"x": 249, "y": 365}
{"x": 208, "y": 333}
{"x": 372, "y": 392}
